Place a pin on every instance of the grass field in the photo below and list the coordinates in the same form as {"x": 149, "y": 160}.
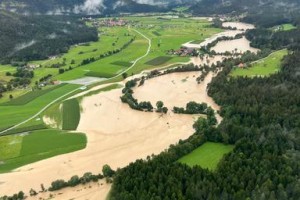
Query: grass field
{"x": 158, "y": 61}
{"x": 263, "y": 67}
{"x": 284, "y": 27}
{"x": 22, "y": 149}
{"x": 207, "y": 156}
{"x": 30, "y": 96}
{"x": 11, "y": 115}
{"x": 71, "y": 114}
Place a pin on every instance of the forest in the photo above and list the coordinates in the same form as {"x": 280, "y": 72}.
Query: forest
{"x": 269, "y": 12}
{"x": 79, "y": 7}
{"x": 37, "y": 37}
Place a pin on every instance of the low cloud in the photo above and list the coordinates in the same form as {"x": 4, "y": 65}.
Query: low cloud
{"x": 90, "y": 7}
{"x": 24, "y": 45}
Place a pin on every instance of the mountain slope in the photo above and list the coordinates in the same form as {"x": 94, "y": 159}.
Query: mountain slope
{"x": 88, "y": 6}
{"x": 25, "y": 38}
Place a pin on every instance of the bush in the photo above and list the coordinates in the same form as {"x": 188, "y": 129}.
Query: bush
{"x": 107, "y": 171}
{"x": 57, "y": 185}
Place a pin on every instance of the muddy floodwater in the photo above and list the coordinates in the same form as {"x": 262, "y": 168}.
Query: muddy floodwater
{"x": 234, "y": 46}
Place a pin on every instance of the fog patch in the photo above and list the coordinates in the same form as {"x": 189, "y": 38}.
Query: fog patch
{"x": 24, "y": 45}
{"x": 52, "y": 36}
{"x": 90, "y": 7}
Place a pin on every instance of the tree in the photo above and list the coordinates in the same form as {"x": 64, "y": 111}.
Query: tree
{"x": 165, "y": 110}
{"x": 74, "y": 181}
{"x": 107, "y": 171}
{"x": 57, "y": 185}
{"x": 32, "y": 192}
{"x": 42, "y": 187}
{"x": 21, "y": 195}
{"x": 61, "y": 71}
{"x": 124, "y": 75}
{"x": 159, "y": 105}
{"x": 11, "y": 97}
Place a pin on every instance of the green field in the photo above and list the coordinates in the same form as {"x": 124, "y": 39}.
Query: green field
{"x": 263, "y": 67}
{"x": 11, "y": 115}
{"x": 207, "y": 156}
{"x": 158, "y": 61}
{"x": 284, "y": 27}
{"x": 30, "y": 96}
{"x": 22, "y": 149}
{"x": 71, "y": 114}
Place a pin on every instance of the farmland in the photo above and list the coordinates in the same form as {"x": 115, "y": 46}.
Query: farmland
{"x": 71, "y": 114}
{"x": 263, "y": 67}
{"x": 11, "y": 115}
{"x": 207, "y": 156}
{"x": 21, "y": 149}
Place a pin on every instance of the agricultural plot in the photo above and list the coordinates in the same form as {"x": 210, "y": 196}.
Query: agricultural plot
{"x": 30, "y": 96}
{"x": 158, "y": 61}
{"x": 11, "y": 115}
{"x": 263, "y": 67}
{"x": 22, "y": 149}
{"x": 207, "y": 156}
{"x": 121, "y": 63}
{"x": 71, "y": 114}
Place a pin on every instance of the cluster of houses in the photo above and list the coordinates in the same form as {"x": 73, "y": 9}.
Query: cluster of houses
{"x": 183, "y": 51}
{"x": 111, "y": 22}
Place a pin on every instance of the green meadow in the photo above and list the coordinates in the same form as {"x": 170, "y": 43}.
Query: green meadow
{"x": 71, "y": 114}
{"x": 207, "y": 155}
{"x": 25, "y": 148}
{"x": 263, "y": 67}
{"x": 13, "y": 114}
{"x": 284, "y": 27}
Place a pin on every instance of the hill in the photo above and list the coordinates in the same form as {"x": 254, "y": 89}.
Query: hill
{"x": 88, "y": 6}
{"x": 26, "y": 38}
{"x": 261, "y": 12}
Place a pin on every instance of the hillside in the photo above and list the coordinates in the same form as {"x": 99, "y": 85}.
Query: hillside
{"x": 37, "y": 37}
{"x": 88, "y": 6}
{"x": 268, "y": 13}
